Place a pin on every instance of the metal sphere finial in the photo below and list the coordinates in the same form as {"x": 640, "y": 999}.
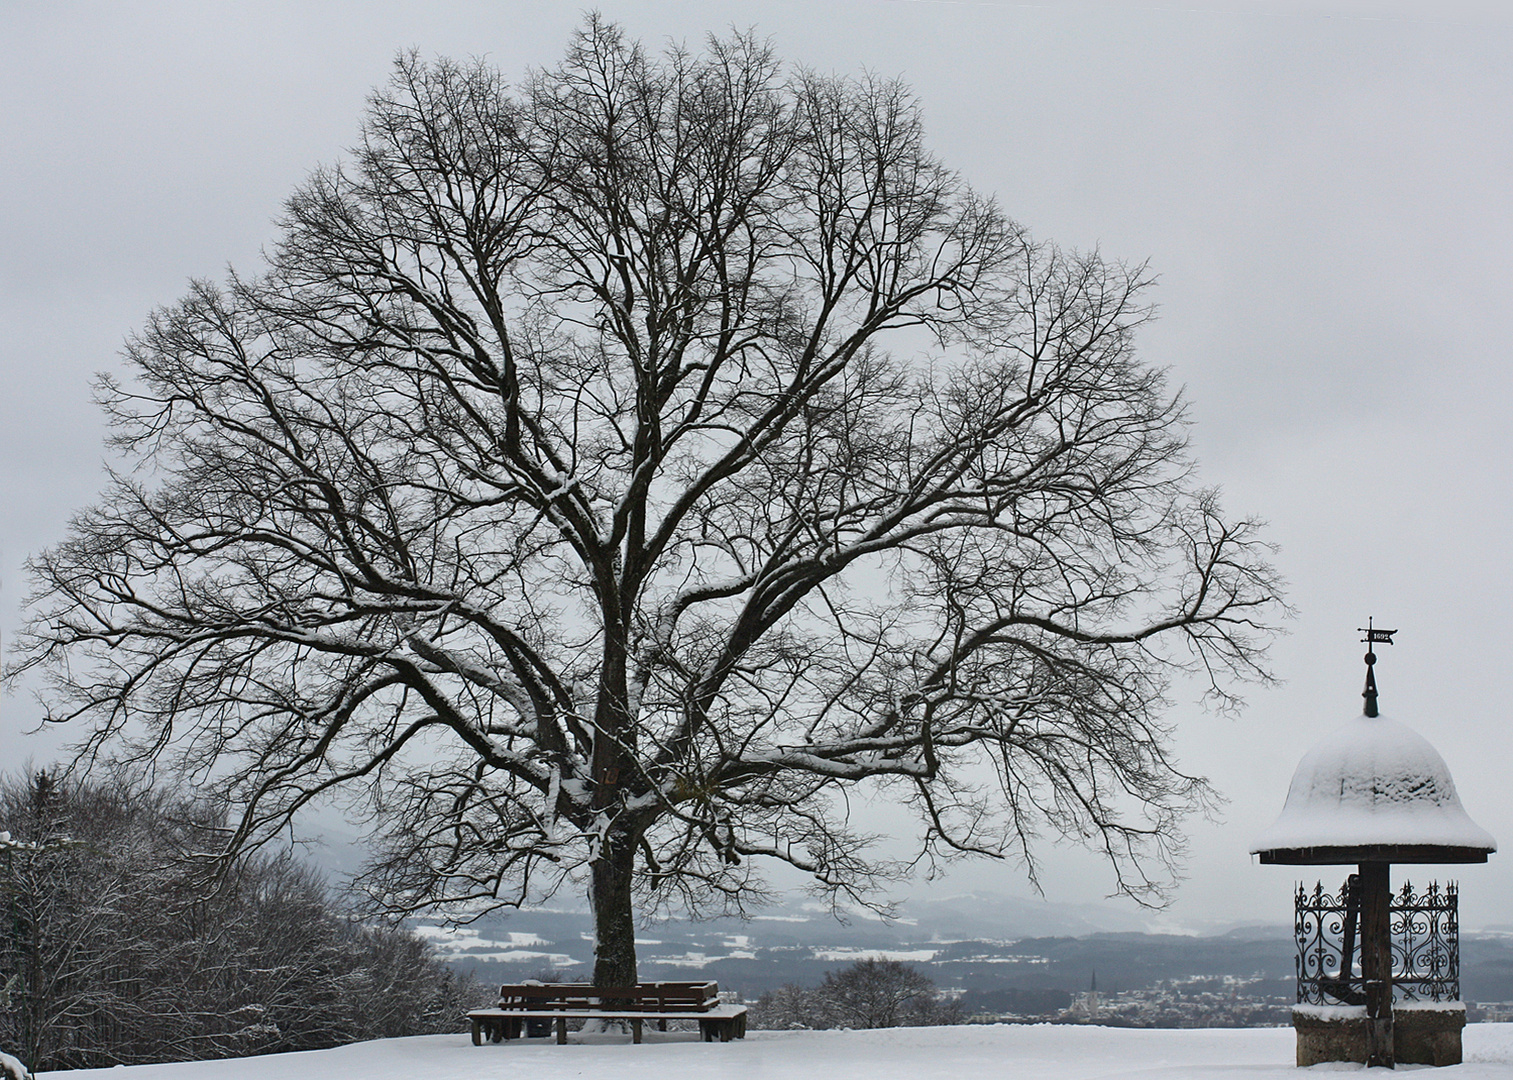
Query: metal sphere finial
{"x": 1373, "y": 636}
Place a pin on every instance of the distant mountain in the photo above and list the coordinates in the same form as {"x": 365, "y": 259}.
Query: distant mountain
{"x": 996, "y": 916}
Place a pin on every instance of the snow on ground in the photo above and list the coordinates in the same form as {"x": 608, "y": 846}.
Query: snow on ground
{"x": 1020, "y": 1052}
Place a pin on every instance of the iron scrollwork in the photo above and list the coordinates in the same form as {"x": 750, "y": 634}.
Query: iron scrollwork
{"x": 1425, "y": 933}
{"x": 1426, "y": 943}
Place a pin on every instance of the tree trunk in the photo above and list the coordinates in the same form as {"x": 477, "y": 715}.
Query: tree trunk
{"x": 614, "y": 920}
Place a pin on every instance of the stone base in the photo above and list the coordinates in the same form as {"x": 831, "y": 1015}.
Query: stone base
{"x": 1330, "y": 1033}
{"x": 1424, "y": 1033}
{"x": 1428, "y": 1033}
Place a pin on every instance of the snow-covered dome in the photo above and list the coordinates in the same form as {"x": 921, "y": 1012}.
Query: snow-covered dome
{"x": 1373, "y": 789}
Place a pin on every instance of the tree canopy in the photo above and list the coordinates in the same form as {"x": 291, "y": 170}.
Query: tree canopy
{"x": 608, "y": 474}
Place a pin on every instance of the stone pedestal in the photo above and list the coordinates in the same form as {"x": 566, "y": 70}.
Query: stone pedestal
{"x": 1428, "y": 1032}
{"x": 1423, "y": 1033}
{"x": 1330, "y": 1033}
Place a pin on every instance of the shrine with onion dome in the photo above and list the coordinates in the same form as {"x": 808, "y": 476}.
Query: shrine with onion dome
{"x": 1378, "y": 969}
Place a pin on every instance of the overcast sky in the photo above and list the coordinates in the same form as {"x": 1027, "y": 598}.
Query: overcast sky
{"x": 1323, "y": 188}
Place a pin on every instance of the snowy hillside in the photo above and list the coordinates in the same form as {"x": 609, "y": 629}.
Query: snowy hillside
{"x": 1021, "y": 1052}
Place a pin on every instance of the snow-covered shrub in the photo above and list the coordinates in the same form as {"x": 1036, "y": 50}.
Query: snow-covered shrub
{"x": 788, "y": 1008}
{"x": 116, "y": 948}
{"x": 867, "y": 994}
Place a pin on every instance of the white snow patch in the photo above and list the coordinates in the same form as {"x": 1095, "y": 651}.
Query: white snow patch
{"x": 527, "y": 939}
{"x": 690, "y": 959}
{"x": 1330, "y": 1012}
{"x": 1373, "y": 781}
{"x": 1025, "y": 1052}
{"x": 845, "y": 955}
{"x": 521, "y": 956}
{"x": 442, "y": 933}
{"x": 1358, "y": 1012}
{"x": 1429, "y": 1006}
{"x": 450, "y": 939}
{"x": 11, "y": 1068}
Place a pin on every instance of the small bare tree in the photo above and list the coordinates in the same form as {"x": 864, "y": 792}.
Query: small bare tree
{"x": 871, "y": 993}
{"x": 882, "y": 993}
{"x": 605, "y": 478}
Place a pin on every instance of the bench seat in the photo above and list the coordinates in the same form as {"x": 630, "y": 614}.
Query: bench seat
{"x": 723, "y": 1021}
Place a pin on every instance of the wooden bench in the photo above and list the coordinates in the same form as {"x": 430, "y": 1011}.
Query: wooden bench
{"x": 561, "y": 1002}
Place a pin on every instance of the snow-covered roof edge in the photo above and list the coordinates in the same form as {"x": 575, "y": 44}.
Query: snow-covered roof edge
{"x": 1373, "y": 781}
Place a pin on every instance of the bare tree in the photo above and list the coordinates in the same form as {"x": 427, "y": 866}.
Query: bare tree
{"x": 606, "y": 477}
{"x": 71, "y": 884}
{"x": 870, "y": 993}
{"x": 882, "y": 993}
{"x": 789, "y": 1007}
{"x": 112, "y": 952}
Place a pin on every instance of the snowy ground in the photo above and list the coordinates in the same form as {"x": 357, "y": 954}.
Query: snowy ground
{"x": 1042, "y": 1052}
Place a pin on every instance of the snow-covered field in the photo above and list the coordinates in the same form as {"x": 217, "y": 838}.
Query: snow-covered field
{"x": 1041, "y": 1052}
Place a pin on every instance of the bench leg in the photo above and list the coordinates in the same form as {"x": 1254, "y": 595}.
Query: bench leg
{"x": 477, "y": 1032}
{"x": 635, "y": 1031}
{"x": 561, "y": 1031}
{"x": 661, "y": 1025}
{"x": 726, "y": 1027}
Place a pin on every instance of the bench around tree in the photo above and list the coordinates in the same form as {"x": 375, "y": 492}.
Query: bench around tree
{"x": 561, "y": 1002}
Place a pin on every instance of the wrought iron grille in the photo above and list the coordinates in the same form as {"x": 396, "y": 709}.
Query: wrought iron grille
{"x": 1426, "y": 943}
{"x": 1425, "y": 932}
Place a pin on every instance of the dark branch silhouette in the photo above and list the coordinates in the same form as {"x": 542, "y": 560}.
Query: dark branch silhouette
{"x": 607, "y": 476}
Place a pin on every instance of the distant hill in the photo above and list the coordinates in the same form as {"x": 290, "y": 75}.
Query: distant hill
{"x": 983, "y": 944}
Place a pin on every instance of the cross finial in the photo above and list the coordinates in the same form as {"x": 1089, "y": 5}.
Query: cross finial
{"x": 1373, "y": 636}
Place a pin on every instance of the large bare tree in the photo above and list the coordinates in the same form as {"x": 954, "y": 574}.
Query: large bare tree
{"x": 607, "y": 475}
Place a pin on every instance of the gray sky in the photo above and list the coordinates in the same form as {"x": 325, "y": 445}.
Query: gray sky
{"x": 1323, "y": 188}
